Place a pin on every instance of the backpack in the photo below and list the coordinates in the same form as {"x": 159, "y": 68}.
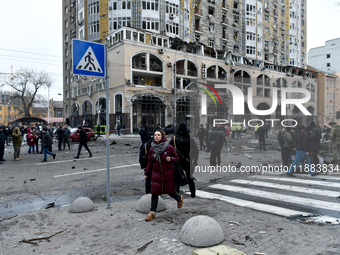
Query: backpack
{"x": 143, "y": 156}
{"x": 227, "y": 132}
{"x": 280, "y": 138}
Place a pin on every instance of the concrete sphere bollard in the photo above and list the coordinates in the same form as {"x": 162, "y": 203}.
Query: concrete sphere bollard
{"x": 201, "y": 231}
{"x": 144, "y": 204}
{"x": 81, "y": 204}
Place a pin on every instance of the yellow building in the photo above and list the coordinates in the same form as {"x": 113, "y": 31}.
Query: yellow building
{"x": 9, "y": 113}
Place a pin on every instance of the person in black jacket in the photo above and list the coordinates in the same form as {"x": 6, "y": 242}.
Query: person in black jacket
{"x": 200, "y": 135}
{"x": 60, "y": 135}
{"x": 143, "y": 161}
{"x": 144, "y": 133}
{"x": 187, "y": 150}
{"x": 46, "y": 142}
{"x": 302, "y": 149}
{"x": 3, "y": 139}
{"x": 82, "y": 141}
{"x": 215, "y": 141}
{"x": 314, "y": 143}
{"x": 261, "y": 134}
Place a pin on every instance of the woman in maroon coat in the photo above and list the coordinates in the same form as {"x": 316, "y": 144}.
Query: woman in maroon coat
{"x": 162, "y": 156}
{"x": 30, "y": 140}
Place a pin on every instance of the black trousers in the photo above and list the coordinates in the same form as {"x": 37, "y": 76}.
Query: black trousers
{"x": 202, "y": 143}
{"x": 285, "y": 153}
{"x": 2, "y": 151}
{"x": 215, "y": 156}
{"x": 60, "y": 142}
{"x": 262, "y": 143}
{"x": 80, "y": 146}
{"x": 154, "y": 200}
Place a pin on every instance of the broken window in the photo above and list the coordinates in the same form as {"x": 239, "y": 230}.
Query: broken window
{"x": 211, "y": 10}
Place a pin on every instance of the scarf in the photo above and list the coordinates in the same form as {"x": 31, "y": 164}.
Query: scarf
{"x": 159, "y": 149}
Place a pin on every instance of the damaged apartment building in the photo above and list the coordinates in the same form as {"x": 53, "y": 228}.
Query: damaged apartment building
{"x": 167, "y": 57}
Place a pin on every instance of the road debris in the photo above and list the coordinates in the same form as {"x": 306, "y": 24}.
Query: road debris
{"x": 250, "y": 157}
{"x": 8, "y": 218}
{"x": 233, "y": 223}
{"x": 31, "y": 241}
{"x": 48, "y": 206}
{"x": 143, "y": 247}
{"x": 279, "y": 229}
{"x": 237, "y": 242}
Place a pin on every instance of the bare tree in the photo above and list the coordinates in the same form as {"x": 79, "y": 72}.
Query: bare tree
{"x": 26, "y": 84}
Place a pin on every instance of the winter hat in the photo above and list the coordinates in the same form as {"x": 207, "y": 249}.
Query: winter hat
{"x": 44, "y": 128}
{"x": 182, "y": 127}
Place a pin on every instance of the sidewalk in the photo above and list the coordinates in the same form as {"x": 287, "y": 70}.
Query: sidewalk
{"x": 122, "y": 230}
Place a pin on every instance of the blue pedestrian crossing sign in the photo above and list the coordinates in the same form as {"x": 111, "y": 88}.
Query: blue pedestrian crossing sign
{"x": 88, "y": 58}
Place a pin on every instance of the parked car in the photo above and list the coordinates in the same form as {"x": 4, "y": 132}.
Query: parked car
{"x": 75, "y": 135}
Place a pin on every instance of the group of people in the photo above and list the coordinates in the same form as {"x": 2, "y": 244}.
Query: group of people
{"x": 33, "y": 135}
{"x": 305, "y": 143}
{"x": 158, "y": 157}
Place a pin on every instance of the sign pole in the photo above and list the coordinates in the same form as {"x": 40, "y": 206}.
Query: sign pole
{"x": 107, "y": 124}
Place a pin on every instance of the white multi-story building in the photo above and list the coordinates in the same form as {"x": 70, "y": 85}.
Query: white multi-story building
{"x": 326, "y": 58}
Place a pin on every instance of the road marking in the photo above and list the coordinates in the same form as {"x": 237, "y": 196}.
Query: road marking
{"x": 263, "y": 207}
{"x": 280, "y": 197}
{"x": 319, "y": 192}
{"x": 93, "y": 171}
{"x": 71, "y": 160}
{"x": 304, "y": 181}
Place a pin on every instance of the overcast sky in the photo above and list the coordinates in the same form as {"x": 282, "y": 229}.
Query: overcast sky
{"x": 32, "y": 35}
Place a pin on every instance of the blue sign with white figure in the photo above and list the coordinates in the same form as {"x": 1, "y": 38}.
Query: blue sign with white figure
{"x": 88, "y": 58}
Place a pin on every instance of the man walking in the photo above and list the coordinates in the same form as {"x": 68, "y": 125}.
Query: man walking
{"x": 60, "y": 135}
{"x": 302, "y": 149}
{"x": 215, "y": 141}
{"x": 46, "y": 142}
{"x": 82, "y": 141}
{"x": 261, "y": 134}
{"x": 287, "y": 146}
{"x": 200, "y": 135}
{"x": 66, "y": 139}
{"x": 3, "y": 139}
{"x": 314, "y": 143}
{"x": 335, "y": 138}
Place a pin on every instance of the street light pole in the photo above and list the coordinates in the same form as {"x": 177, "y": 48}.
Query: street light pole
{"x": 48, "y": 106}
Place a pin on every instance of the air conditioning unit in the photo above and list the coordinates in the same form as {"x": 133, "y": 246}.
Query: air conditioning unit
{"x": 128, "y": 82}
{"x": 164, "y": 32}
{"x": 172, "y": 16}
{"x": 160, "y": 51}
{"x": 169, "y": 64}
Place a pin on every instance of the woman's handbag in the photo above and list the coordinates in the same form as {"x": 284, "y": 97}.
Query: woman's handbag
{"x": 179, "y": 175}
